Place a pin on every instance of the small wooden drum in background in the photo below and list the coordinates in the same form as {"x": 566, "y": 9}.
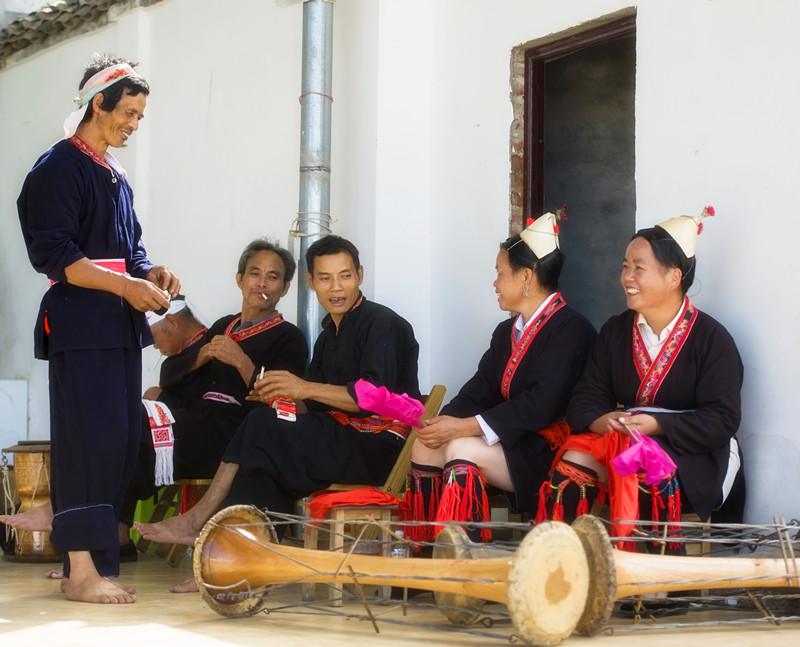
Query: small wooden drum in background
{"x": 32, "y": 477}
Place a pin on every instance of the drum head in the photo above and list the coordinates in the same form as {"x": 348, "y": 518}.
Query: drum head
{"x": 602, "y": 574}
{"x": 240, "y": 602}
{"x": 462, "y": 610}
{"x": 548, "y": 584}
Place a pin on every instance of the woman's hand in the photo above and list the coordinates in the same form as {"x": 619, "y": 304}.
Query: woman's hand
{"x": 639, "y": 424}
{"x": 442, "y": 429}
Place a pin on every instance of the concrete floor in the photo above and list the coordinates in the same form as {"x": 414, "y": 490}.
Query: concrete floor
{"x": 33, "y": 611}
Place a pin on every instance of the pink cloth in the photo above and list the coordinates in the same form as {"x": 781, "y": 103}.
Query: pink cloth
{"x": 380, "y": 400}
{"x": 645, "y": 455}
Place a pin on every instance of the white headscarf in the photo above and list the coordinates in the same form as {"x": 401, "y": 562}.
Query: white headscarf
{"x": 97, "y": 83}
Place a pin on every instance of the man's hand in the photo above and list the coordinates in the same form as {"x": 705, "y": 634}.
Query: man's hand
{"x": 442, "y": 429}
{"x": 152, "y": 393}
{"x": 226, "y": 350}
{"x": 144, "y": 295}
{"x": 279, "y": 384}
{"x": 163, "y": 277}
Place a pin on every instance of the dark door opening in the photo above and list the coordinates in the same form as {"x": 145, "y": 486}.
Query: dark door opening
{"x": 579, "y": 150}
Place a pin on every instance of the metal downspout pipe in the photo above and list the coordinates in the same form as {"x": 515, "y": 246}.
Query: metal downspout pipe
{"x": 314, "y": 220}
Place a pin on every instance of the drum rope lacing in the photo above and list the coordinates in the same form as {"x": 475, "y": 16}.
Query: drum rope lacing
{"x": 8, "y": 497}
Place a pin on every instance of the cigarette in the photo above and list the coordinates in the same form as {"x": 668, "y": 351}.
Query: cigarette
{"x": 266, "y": 298}
{"x": 261, "y": 374}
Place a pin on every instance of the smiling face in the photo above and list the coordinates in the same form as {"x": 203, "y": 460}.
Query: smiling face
{"x": 336, "y": 281}
{"x": 263, "y": 277}
{"x": 115, "y": 127}
{"x": 648, "y": 285}
{"x": 509, "y": 285}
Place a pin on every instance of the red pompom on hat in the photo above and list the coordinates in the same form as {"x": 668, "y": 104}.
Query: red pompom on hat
{"x": 541, "y": 235}
{"x": 685, "y": 229}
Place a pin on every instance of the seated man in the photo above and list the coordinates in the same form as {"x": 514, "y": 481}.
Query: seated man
{"x": 272, "y": 462}
{"x": 205, "y": 385}
{"x": 178, "y": 328}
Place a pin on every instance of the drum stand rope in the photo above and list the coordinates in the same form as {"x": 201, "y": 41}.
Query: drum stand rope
{"x": 8, "y": 498}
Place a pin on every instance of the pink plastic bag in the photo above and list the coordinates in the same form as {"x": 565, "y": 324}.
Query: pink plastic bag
{"x": 644, "y": 454}
{"x": 380, "y": 400}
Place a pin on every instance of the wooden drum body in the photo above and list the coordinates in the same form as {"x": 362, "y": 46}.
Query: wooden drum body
{"x": 32, "y": 477}
{"x": 559, "y": 580}
{"x": 544, "y": 583}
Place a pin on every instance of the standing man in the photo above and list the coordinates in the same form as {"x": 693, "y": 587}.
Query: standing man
{"x": 78, "y": 222}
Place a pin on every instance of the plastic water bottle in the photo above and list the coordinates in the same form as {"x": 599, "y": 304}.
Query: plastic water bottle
{"x": 399, "y": 548}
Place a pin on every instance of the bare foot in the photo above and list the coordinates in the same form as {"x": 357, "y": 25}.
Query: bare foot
{"x": 39, "y": 517}
{"x": 175, "y": 530}
{"x": 55, "y": 574}
{"x": 187, "y": 586}
{"x": 95, "y": 589}
{"x": 65, "y": 581}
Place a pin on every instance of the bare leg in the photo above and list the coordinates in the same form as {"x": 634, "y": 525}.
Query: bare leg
{"x": 39, "y": 517}
{"x": 85, "y": 584}
{"x": 184, "y": 528}
{"x": 490, "y": 459}
{"x": 422, "y": 455}
{"x": 587, "y": 460}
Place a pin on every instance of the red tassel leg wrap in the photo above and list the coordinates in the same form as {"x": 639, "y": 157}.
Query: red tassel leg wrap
{"x": 570, "y": 483}
{"x": 464, "y": 497}
{"x": 665, "y": 506}
{"x": 188, "y": 498}
{"x": 422, "y": 493}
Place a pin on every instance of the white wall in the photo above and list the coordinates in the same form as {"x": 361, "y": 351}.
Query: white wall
{"x": 717, "y": 101}
{"x": 420, "y": 166}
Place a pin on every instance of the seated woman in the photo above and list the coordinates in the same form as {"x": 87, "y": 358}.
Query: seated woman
{"x": 676, "y": 374}
{"x": 504, "y": 425}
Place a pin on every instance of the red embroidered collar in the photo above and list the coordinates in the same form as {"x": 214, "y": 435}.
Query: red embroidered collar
{"x": 84, "y": 148}
{"x": 652, "y": 373}
{"x": 518, "y": 349}
{"x": 195, "y": 338}
{"x": 270, "y": 322}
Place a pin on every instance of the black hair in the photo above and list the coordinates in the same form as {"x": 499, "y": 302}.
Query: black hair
{"x": 331, "y": 244}
{"x": 130, "y": 85}
{"x": 186, "y": 313}
{"x": 546, "y": 269}
{"x": 266, "y": 245}
{"x": 669, "y": 254}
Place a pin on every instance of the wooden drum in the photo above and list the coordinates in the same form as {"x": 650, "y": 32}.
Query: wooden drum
{"x": 32, "y": 476}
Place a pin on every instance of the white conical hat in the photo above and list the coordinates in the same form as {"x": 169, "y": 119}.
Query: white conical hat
{"x": 684, "y": 230}
{"x": 541, "y": 235}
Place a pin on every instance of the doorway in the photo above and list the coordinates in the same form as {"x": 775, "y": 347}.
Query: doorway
{"x": 579, "y": 151}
